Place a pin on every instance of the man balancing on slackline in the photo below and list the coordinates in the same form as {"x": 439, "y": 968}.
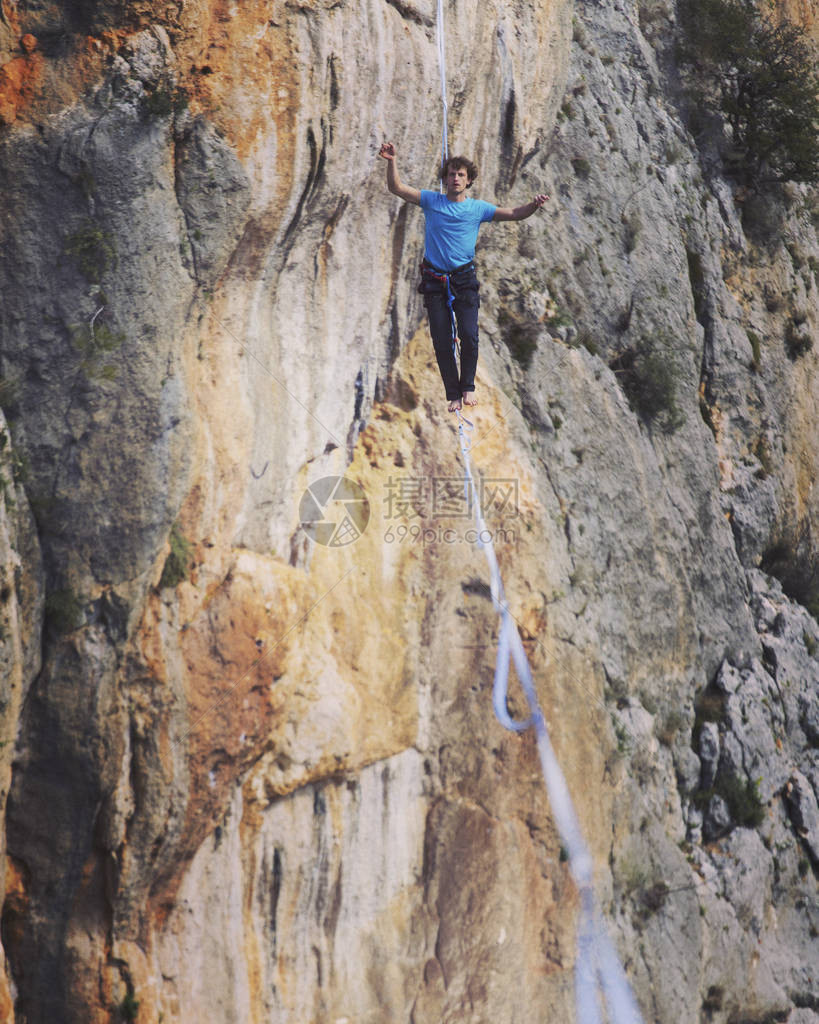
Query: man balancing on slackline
{"x": 449, "y": 283}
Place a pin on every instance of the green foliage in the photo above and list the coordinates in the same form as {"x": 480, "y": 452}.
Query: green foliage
{"x": 762, "y": 451}
{"x": 129, "y": 1007}
{"x": 642, "y": 884}
{"x": 710, "y": 706}
{"x": 667, "y": 730}
{"x": 741, "y": 796}
{"x": 648, "y": 378}
{"x": 163, "y": 101}
{"x": 588, "y": 340}
{"x": 714, "y": 999}
{"x": 9, "y": 392}
{"x": 566, "y": 111}
{"x": 755, "y": 71}
{"x": 624, "y": 743}
{"x": 63, "y": 609}
{"x": 521, "y": 337}
{"x": 581, "y": 167}
{"x": 632, "y": 226}
{"x": 798, "y": 338}
{"x": 95, "y": 340}
{"x": 93, "y": 249}
{"x": 756, "y": 350}
{"x": 19, "y": 462}
{"x": 560, "y": 318}
{"x": 178, "y": 563}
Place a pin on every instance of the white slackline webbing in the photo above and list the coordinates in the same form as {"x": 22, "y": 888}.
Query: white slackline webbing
{"x": 598, "y": 968}
{"x": 442, "y": 69}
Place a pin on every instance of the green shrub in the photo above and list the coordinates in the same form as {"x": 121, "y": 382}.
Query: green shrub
{"x": 755, "y": 72}
{"x": 667, "y": 730}
{"x": 741, "y": 796}
{"x": 756, "y": 351}
{"x": 647, "y": 376}
{"x": 93, "y": 250}
{"x": 19, "y": 461}
{"x": 520, "y": 336}
{"x": 163, "y": 101}
{"x": 714, "y": 999}
{"x": 588, "y": 340}
{"x": 178, "y": 563}
{"x": 581, "y": 167}
{"x": 798, "y": 338}
{"x": 94, "y": 340}
{"x": 632, "y": 226}
{"x": 64, "y": 610}
{"x": 9, "y": 393}
{"x": 709, "y": 706}
{"x": 129, "y": 1007}
{"x": 642, "y": 884}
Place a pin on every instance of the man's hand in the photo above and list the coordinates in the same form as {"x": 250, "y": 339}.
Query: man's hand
{"x": 394, "y": 183}
{"x": 521, "y": 212}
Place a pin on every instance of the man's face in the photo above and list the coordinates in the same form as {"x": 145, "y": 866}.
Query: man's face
{"x": 457, "y": 179}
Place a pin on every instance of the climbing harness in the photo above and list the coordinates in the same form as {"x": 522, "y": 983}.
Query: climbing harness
{"x": 597, "y": 967}
{"x": 444, "y": 277}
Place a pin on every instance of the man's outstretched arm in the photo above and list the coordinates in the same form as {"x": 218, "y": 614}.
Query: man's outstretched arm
{"x": 520, "y": 212}
{"x": 394, "y": 183}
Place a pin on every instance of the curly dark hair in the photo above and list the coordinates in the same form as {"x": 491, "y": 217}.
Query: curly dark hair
{"x": 460, "y": 161}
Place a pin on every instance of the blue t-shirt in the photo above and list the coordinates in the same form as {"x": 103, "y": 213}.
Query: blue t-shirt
{"x": 452, "y": 228}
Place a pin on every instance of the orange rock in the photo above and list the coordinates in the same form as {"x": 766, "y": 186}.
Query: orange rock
{"x": 17, "y": 79}
{"x": 29, "y": 42}
{"x": 8, "y": 12}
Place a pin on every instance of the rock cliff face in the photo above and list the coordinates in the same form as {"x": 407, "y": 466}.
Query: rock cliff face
{"x": 249, "y": 776}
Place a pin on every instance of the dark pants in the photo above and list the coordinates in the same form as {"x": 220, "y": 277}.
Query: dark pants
{"x": 464, "y": 286}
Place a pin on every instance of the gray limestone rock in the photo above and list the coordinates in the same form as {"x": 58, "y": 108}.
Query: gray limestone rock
{"x": 809, "y": 717}
{"x": 717, "y": 818}
{"x": 689, "y": 769}
{"x": 204, "y": 307}
{"x": 214, "y": 194}
{"x": 802, "y": 806}
{"x": 709, "y": 753}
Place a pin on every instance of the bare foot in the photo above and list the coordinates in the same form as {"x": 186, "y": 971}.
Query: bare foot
{"x": 469, "y": 398}
{"x": 454, "y": 405}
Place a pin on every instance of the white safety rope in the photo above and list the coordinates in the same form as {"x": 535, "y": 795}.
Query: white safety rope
{"x": 597, "y": 968}
{"x": 442, "y": 69}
